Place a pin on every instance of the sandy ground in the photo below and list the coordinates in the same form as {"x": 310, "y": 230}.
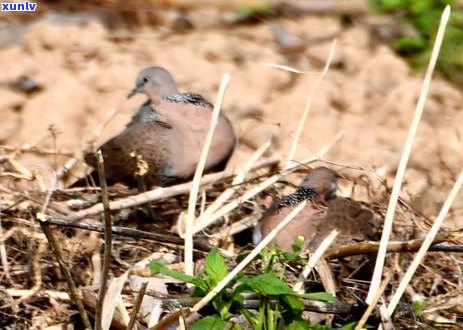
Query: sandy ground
{"x": 86, "y": 71}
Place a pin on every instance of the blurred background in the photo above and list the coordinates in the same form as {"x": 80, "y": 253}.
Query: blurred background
{"x": 66, "y": 69}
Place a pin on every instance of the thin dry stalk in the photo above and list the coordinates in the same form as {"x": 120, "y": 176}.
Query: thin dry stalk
{"x": 190, "y": 216}
{"x": 303, "y": 119}
{"x": 181, "y": 323}
{"x": 283, "y": 67}
{"x": 167, "y": 321}
{"x": 23, "y": 231}
{"x": 267, "y": 183}
{"x": 159, "y": 193}
{"x": 54, "y": 132}
{"x": 128, "y": 232}
{"x": 36, "y": 150}
{"x": 67, "y": 274}
{"x": 202, "y": 222}
{"x": 369, "y": 310}
{"x": 97, "y": 264}
{"x": 107, "y": 240}
{"x": 239, "y": 226}
{"x": 56, "y": 249}
{"x": 36, "y": 273}
{"x": 113, "y": 303}
{"x": 326, "y": 275}
{"x": 325, "y": 244}
{"x": 99, "y": 130}
{"x": 137, "y": 305}
{"x": 376, "y": 279}
{"x": 58, "y": 295}
{"x": 66, "y": 168}
{"x": 56, "y": 176}
{"x": 246, "y": 196}
{"x": 426, "y": 244}
{"x": 267, "y": 239}
{"x": 3, "y": 253}
{"x": 21, "y": 172}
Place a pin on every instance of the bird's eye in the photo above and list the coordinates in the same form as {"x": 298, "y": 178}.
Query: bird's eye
{"x": 145, "y": 80}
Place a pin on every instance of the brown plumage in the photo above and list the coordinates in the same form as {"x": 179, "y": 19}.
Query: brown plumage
{"x": 323, "y": 213}
{"x": 162, "y": 143}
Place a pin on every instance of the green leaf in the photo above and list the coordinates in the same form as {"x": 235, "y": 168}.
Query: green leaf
{"x": 293, "y": 305}
{"x": 409, "y": 44}
{"x": 322, "y": 296}
{"x": 296, "y": 249}
{"x": 213, "y": 322}
{"x": 254, "y": 319}
{"x": 268, "y": 284}
{"x": 418, "y": 305}
{"x": 222, "y": 306}
{"x": 349, "y": 326}
{"x": 215, "y": 266}
{"x": 272, "y": 316}
{"x": 246, "y": 12}
{"x": 303, "y": 325}
{"x": 299, "y": 325}
{"x": 158, "y": 268}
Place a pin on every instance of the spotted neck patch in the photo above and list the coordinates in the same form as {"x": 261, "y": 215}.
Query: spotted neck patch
{"x": 188, "y": 98}
{"x": 298, "y": 197}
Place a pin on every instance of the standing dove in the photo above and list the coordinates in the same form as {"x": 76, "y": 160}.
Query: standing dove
{"x": 162, "y": 143}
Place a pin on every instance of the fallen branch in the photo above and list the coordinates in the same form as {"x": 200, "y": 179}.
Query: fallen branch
{"x": 393, "y": 247}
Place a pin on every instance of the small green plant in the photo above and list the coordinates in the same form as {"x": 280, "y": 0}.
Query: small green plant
{"x": 256, "y": 12}
{"x": 279, "y": 303}
{"x": 423, "y": 17}
{"x": 418, "y": 306}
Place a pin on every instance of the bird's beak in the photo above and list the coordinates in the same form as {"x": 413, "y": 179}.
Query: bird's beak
{"x": 133, "y": 92}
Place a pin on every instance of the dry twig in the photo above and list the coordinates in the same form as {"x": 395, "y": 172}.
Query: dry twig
{"x": 137, "y": 305}
{"x": 67, "y": 274}
{"x": 160, "y": 193}
{"x": 107, "y": 240}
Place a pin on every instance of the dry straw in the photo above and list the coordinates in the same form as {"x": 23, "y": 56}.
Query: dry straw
{"x": 204, "y": 220}
{"x": 255, "y": 190}
{"x": 190, "y": 217}
{"x": 267, "y": 239}
{"x": 426, "y": 244}
{"x": 308, "y": 105}
{"x": 376, "y": 279}
{"x": 162, "y": 192}
{"x": 267, "y": 183}
{"x": 319, "y": 252}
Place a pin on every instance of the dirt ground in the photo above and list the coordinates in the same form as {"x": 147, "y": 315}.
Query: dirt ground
{"x": 86, "y": 69}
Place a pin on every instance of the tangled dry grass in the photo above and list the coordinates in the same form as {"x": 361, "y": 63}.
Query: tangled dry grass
{"x": 35, "y": 290}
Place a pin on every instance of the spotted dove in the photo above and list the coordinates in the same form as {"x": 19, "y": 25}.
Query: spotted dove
{"x": 162, "y": 143}
{"x": 324, "y": 212}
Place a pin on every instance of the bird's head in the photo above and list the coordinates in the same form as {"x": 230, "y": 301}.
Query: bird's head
{"x": 154, "y": 81}
{"x": 323, "y": 181}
